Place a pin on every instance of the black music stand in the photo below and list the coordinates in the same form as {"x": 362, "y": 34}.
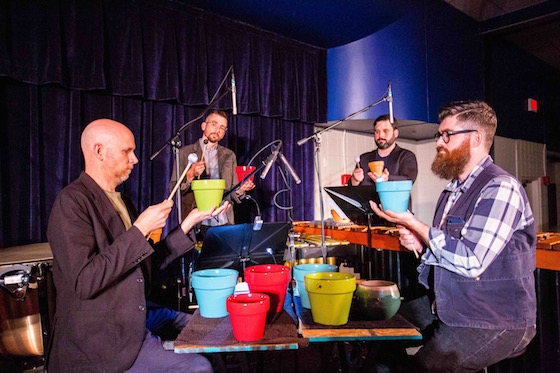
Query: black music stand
{"x": 354, "y": 202}
{"x": 239, "y": 246}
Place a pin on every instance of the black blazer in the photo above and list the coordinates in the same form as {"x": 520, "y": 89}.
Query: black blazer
{"x": 100, "y": 272}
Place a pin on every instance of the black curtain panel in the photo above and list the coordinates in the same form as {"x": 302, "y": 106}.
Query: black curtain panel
{"x": 154, "y": 66}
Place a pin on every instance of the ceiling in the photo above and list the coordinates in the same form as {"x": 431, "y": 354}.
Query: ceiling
{"x": 322, "y": 23}
{"x": 533, "y": 25}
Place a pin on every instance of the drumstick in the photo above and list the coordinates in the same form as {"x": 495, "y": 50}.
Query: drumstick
{"x": 357, "y": 162}
{"x": 203, "y": 150}
{"x": 191, "y": 159}
{"x": 415, "y": 252}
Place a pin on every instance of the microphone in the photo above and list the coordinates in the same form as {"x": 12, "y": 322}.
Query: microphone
{"x": 234, "y": 93}
{"x": 390, "y": 101}
{"x": 192, "y": 159}
{"x": 270, "y": 161}
{"x": 289, "y": 168}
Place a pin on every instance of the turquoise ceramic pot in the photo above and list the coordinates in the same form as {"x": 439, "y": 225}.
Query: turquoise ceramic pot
{"x": 212, "y": 287}
{"x": 394, "y": 195}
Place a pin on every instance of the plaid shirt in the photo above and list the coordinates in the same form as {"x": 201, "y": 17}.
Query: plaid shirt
{"x": 500, "y": 211}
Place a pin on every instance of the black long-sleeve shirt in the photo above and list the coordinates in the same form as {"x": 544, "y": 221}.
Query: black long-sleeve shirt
{"x": 401, "y": 163}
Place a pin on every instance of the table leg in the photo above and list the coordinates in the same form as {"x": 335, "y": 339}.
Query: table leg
{"x": 243, "y": 362}
{"x": 342, "y": 357}
{"x": 218, "y": 362}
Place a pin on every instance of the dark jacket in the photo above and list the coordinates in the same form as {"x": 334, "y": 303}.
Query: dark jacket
{"x": 100, "y": 273}
{"x": 227, "y": 162}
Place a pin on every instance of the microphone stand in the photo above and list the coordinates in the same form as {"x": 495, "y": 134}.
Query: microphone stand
{"x": 175, "y": 143}
{"x": 317, "y": 139}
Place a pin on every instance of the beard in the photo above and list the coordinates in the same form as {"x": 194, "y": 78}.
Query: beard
{"x": 120, "y": 175}
{"x": 384, "y": 144}
{"x": 213, "y": 137}
{"x": 449, "y": 164}
{"x": 123, "y": 175}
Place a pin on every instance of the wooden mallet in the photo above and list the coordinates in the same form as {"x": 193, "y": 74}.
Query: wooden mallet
{"x": 192, "y": 159}
{"x": 203, "y": 151}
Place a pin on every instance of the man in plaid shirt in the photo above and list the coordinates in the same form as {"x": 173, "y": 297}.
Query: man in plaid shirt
{"x": 478, "y": 255}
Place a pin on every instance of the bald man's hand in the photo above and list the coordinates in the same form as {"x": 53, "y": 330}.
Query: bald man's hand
{"x": 154, "y": 217}
{"x": 194, "y": 217}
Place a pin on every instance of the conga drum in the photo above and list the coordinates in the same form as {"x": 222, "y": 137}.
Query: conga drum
{"x": 26, "y": 299}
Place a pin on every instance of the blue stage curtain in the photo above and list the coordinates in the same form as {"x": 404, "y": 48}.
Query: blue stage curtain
{"x": 153, "y": 65}
{"x": 160, "y": 51}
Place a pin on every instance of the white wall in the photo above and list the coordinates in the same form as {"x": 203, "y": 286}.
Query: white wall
{"x": 527, "y": 162}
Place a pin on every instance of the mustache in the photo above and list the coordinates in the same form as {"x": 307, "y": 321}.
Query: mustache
{"x": 441, "y": 148}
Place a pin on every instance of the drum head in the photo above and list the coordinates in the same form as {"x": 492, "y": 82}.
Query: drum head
{"x": 34, "y": 253}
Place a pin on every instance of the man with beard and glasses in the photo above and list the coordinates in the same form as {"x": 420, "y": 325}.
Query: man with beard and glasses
{"x": 478, "y": 255}
{"x": 219, "y": 163}
{"x": 399, "y": 163}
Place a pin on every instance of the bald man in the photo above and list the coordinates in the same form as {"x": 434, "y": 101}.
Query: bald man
{"x": 102, "y": 264}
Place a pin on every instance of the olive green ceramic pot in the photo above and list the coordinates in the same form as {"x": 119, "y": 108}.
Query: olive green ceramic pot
{"x": 378, "y": 299}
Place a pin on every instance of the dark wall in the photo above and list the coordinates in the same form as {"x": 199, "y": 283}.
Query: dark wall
{"x": 432, "y": 55}
{"x": 455, "y": 57}
{"x": 514, "y": 76}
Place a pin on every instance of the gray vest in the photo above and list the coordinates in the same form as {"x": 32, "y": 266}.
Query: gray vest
{"x": 503, "y": 297}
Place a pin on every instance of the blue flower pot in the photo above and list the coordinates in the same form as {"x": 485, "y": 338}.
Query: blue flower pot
{"x": 212, "y": 288}
{"x": 299, "y": 274}
{"x": 394, "y": 195}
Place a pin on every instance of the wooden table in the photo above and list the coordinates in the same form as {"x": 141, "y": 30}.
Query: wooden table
{"x": 376, "y": 333}
{"x": 215, "y": 336}
{"x": 202, "y": 335}
{"x": 357, "y": 329}
{"x": 359, "y": 334}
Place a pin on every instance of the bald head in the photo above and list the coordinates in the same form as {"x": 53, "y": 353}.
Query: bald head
{"x": 108, "y": 148}
{"x": 101, "y": 131}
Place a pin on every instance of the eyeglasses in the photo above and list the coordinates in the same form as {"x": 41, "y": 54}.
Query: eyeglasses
{"x": 215, "y": 124}
{"x": 447, "y": 134}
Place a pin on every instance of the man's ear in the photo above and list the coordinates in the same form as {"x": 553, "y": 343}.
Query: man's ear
{"x": 478, "y": 139}
{"x": 98, "y": 151}
{"x": 396, "y": 132}
{"x": 203, "y": 126}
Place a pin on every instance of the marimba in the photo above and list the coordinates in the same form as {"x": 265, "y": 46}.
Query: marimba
{"x": 387, "y": 238}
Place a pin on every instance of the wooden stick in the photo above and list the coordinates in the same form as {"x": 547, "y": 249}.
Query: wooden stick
{"x": 415, "y": 252}
{"x": 192, "y": 158}
{"x": 203, "y": 150}
{"x": 179, "y": 182}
